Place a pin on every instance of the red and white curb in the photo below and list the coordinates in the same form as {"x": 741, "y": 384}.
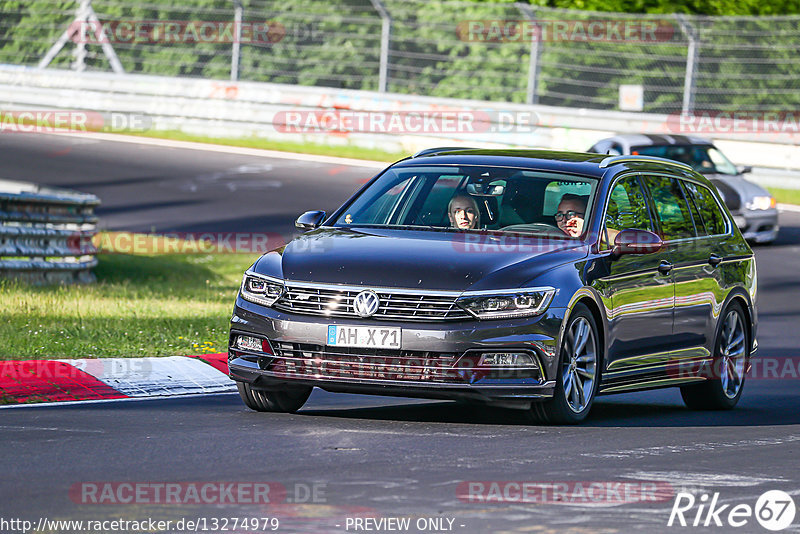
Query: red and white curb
{"x": 36, "y": 381}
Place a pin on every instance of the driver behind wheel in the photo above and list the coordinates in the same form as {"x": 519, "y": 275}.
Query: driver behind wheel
{"x": 570, "y": 214}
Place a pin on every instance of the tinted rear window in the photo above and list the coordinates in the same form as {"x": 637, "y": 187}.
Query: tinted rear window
{"x": 708, "y": 210}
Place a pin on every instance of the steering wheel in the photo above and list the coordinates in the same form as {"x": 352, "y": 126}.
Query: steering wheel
{"x": 539, "y": 228}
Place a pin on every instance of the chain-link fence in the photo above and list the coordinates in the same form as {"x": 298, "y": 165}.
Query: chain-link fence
{"x": 509, "y": 52}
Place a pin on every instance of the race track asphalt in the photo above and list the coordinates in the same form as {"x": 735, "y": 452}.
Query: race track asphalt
{"x": 372, "y": 456}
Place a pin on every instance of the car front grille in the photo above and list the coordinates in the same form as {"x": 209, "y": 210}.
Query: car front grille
{"x": 300, "y": 360}
{"x": 395, "y": 305}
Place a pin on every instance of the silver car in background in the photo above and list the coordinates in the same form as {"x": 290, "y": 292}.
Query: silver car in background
{"x": 753, "y": 208}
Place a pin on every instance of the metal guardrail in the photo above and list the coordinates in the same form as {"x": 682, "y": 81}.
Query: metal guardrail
{"x": 252, "y": 109}
{"x": 46, "y": 234}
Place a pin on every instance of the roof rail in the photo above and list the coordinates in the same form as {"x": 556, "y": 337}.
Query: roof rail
{"x": 613, "y": 160}
{"x": 431, "y": 151}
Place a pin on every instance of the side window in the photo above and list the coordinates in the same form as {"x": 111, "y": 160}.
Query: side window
{"x": 707, "y": 208}
{"x": 431, "y": 213}
{"x": 626, "y": 209}
{"x": 671, "y": 207}
{"x": 699, "y": 223}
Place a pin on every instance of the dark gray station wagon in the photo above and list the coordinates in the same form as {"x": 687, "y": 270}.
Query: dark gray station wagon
{"x": 526, "y": 279}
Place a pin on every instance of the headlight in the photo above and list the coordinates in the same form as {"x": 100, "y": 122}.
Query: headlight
{"x": 261, "y": 289}
{"x": 506, "y": 303}
{"x": 761, "y": 203}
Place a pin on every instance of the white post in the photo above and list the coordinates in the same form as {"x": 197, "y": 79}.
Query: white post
{"x": 386, "y": 31}
{"x": 531, "y": 94}
{"x": 79, "y": 64}
{"x": 691, "y": 60}
{"x": 237, "y": 39}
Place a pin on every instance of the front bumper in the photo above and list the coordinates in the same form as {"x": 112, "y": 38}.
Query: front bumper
{"x": 759, "y": 226}
{"x": 443, "y": 355}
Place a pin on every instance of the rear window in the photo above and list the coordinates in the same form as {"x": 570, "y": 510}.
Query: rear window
{"x": 708, "y": 211}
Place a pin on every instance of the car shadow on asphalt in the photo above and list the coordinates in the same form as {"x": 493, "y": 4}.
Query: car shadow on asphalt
{"x": 428, "y": 412}
{"x": 626, "y": 414}
{"x": 779, "y": 411}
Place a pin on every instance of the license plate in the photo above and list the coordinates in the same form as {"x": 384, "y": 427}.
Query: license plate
{"x": 364, "y": 336}
{"x": 741, "y": 222}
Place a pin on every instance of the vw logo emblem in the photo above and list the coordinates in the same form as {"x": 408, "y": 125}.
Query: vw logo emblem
{"x": 366, "y": 303}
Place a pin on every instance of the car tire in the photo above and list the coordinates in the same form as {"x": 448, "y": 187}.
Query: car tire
{"x": 578, "y": 373}
{"x": 731, "y": 355}
{"x": 287, "y": 401}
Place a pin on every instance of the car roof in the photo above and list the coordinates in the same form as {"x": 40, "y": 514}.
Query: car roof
{"x": 655, "y": 139}
{"x": 550, "y": 160}
{"x": 581, "y": 163}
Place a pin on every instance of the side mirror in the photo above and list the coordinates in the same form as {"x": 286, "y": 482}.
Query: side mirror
{"x": 744, "y": 169}
{"x": 632, "y": 241}
{"x": 310, "y": 220}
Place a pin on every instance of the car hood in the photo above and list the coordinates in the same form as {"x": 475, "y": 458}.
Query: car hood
{"x": 431, "y": 260}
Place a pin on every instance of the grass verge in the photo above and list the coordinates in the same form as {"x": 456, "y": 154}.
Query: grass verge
{"x": 785, "y": 196}
{"x": 142, "y": 305}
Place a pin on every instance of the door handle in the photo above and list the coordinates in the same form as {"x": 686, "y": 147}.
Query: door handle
{"x": 714, "y": 260}
{"x": 665, "y": 267}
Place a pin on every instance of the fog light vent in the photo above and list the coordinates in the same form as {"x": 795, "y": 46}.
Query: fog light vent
{"x": 253, "y": 344}
{"x": 507, "y": 359}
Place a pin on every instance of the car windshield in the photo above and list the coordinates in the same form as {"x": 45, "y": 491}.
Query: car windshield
{"x": 474, "y": 198}
{"x": 704, "y": 159}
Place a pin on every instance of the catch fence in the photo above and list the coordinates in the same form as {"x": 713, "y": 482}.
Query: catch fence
{"x": 501, "y": 52}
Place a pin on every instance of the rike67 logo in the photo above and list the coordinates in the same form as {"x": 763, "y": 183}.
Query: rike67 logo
{"x": 774, "y": 510}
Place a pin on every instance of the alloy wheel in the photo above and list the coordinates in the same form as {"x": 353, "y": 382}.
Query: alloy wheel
{"x": 579, "y": 366}
{"x": 732, "y": 354}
